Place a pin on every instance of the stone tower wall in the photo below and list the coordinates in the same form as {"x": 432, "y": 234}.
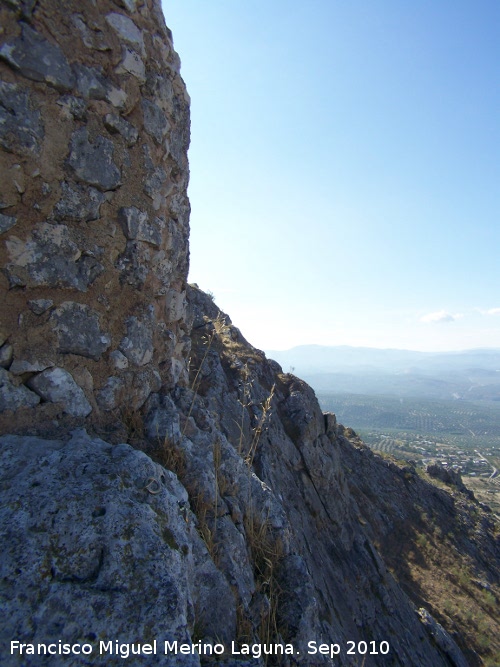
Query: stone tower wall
{"x": 94, "y": 216}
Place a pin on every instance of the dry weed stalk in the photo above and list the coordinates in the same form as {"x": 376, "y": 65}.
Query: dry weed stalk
{"x": 257, "y": 431}
{"x": 220, "y": 328}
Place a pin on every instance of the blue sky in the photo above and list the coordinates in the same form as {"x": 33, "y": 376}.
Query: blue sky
{"x": 345, "y": 168}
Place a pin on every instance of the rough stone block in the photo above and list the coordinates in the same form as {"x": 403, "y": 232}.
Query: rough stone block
{"x": 155, "y": 121}
{"x": 78, "y": 202}
{"x": 92, "y": 161}
{"x": 78, "y": 330}
{"x": 117, "y": 124}
{"x": 38, "y": 59}
{"x": 58, "y": 386}
{"x": 137, "y": 345}
{"x": 6, "y": 222}
{"x": 21, "y": 126}
{"x": 137, "y": 226}
{"x": 49, "y": 257}
{"x": 14, "y": 396}
{"x": 126, "y": 29}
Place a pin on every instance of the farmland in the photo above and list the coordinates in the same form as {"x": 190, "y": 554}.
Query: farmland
{"x": 460, "y": 435}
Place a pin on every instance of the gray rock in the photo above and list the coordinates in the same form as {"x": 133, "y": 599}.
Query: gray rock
{"x": 119, "y": 360}
{"x": 78, "y": 202}
{"x": 108, "y": 398}
{"x": 93, "y": 161}
{"x": 6, "y": 353}
{"x": 14, "y": 396}
{"x": 175, "y": 305}
{"x": 134, "y": 263}
{"x": 38, "y": 59}
{"x": 21, "y": 126}
{"x": 100, "y": 537}
{"x": 117, "y": 124}
{"x": 49, "y": 257}
{"x": 137, "y": 345}
{"x": 75, "y": 106}
{"x": 141, "y": 386}
{"x": 93, "y": 85}
{"x": 155, "y": 121}
{"x": 78, "y": 330}
{"x": 126, "y": 29}
{"x": 136, "y": 226}
{"x": 158, "y": 186}
{"x": 40, "y": 306}
{"x": 6, "y": 222}
{"x": 162, "y": 420}
{"x": 22, "y": 366}
{"x": 442, "y": 638}
{"x": 133, "y": 64}
{"x": 56, "y": 385}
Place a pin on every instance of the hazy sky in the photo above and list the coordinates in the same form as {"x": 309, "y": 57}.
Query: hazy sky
{"x": 345, "y": 168}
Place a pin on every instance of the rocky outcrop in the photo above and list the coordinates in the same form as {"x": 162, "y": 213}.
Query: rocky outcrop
{"x": 94, "y": 127}
{"x": 209, "y": 505}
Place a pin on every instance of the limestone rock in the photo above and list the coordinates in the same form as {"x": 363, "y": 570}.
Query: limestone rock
{"x": 78, "y": 330}
{"x": 127, "y": 29}
{"x": 14, "y": 396}
{"x": 38, "y": 59}
{"x": 57, "y": 386}
{"x": 115, "y": 123}
{"x": 78, "y": 202}
{"x": 21, "y": 126}
{"x": 103, "y": 537}
{"x": 92, "y": 161}
{"x": 50, "y": 257}
{"x": 137, "y": 345}
{"x": 6, "y": 222}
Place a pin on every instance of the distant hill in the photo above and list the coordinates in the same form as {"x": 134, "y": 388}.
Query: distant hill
{"x": 471, "y": 374}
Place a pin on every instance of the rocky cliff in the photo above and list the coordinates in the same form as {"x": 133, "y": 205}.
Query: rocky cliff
{"x": 161, "y": 479}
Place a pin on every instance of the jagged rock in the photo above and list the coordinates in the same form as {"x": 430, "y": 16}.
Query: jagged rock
{"x": 115, "y": 123}
{"x": 78, "y": 202}
{"x": 92, "y": 161}
{"x": 49, "y": 257}
{"x": 118, "y": 360}
{"x": 21, "y": 126}
{"x": 78, "y": 330}
{"x": 38, "y": 59}
{"x": 155, "y": 121}
{"x": 6, "y": 222}
{"x": 22, "y": 366}
{"x": 111, "y": 546}
{"x": 40, "y": 306}
{"x": 133, "y": 64}
{"x": 137, "y": 226}
{"x": 14, "y": 396}
{"x": 57, "y": 386}
{"x": 93, "y": 85}
{"x": 108, "y": 398}
{"x": 127, "y": 29}
{"x": 75, "y": 106}
{"x": 137, "y": 345}
{"x": 448, "y": 476}
{"x": 442, "y": 638}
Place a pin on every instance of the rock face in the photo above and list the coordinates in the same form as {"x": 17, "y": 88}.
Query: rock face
{"x": 213, "y": 503}
{"x": 94, "y": 127}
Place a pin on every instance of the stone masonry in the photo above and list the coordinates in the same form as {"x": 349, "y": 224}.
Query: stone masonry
{"x": 94, "y": 216}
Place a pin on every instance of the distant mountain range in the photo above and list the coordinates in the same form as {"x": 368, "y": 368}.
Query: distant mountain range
{"x": 470, "y": 374}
